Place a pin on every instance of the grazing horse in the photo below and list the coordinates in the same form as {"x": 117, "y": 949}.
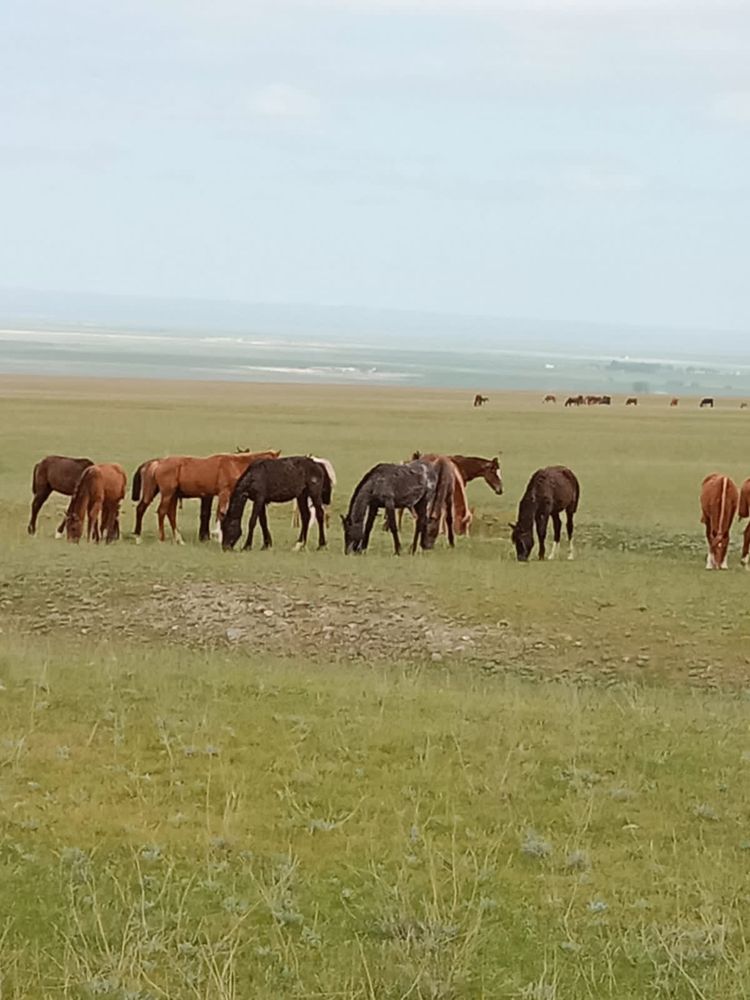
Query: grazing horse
{"x": 605, "y": 401}
{"x": 389, "y": 486}
{"x": 631, "y": 401}
{"x": 593, "y": 400}
{"x": 674, "y": 401}
{"x": 455, "y": 506}
{"x": 54, "y": 473}
{"x": 574, "y": 401}
{"x": 481, "y": 400}
{"x": 143, "y": 491}
{"x": 97, "y": 497}
{"x": 549, "y": 492}
{"x": 182, "y": 476}
{"x": 744, "y": 511}
{"x": 719, "y": 499}
{"x": 328, "y": 466}
{"x": 441, "y": 505}
{"x": 743, "y": 406}
{"x": 278, "y": 480}
{"x": 549, "y": 398}
{"x": 707, "y": 401}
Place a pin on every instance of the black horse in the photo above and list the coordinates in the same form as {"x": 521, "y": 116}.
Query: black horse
{"x": 278, "y": 480}
{"x": 549, "y": 492}
{"x": 707, "y": 401}
{"x": 390, "y": 486}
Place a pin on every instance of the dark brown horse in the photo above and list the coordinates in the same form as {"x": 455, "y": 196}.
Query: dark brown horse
{"x": 97, "y": 497}
{"x": 574, "y": 401}
{"x": 481, "y": 400}
{"x": 549, "y": 493}
{"x": 631, "y": 401}
{"x": 707, "y": 401}
{"x": 550, "y": 398}
{"x": 55, "y": 473}
{"x": 278, "y": 480}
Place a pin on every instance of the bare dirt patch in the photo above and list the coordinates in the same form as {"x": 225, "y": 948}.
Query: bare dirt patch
{"x": 363, "y": 627}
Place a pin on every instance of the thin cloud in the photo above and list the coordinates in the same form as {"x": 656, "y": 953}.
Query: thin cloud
{"x": 733, "y": 107}
{"x": 280, "y": 100}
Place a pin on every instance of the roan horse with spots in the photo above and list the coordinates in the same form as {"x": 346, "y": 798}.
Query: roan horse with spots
{"x": 389, "y": 486}
{"x": 97, "y": 497}
{"x": 549, "y": 493}
{"x": 719, "y": 500}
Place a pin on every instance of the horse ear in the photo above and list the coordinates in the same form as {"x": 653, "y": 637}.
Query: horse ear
{"x": 512, "y": 524}
{"x": 415, "y": 455}
{"x": 495, "y": 463}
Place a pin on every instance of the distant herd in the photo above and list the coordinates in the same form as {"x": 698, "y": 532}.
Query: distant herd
{"x": 707, "y": 402}
{"x": 431, "y": 486}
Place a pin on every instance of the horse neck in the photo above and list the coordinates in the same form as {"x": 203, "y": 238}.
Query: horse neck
{"x": 359, "y": 502}
{"x": 526, "y": 510}
{"x": 469, "y": 466}
{"x": 79, "y": 500}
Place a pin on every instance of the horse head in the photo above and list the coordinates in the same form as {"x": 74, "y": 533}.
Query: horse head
{"x": 353, "y": 535}
{"x": 523, "y": 540}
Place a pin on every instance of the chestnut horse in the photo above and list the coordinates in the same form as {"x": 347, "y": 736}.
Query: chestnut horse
{"x": 144, "y": 485}
{"x": 97, "y": 497}
{"x": 744, "y": 511}
{"x": 719, "y": 499}
{"x": 549, "y": 493}
{"x": 182, "y": 476}
{"x": 54, "y": 473}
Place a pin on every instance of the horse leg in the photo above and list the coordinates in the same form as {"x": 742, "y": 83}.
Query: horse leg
{"x": 172, "y": 516}
{"x": 419, "y": 510}
{"x": 745, "y": 560}
{"x": 95, "y": 516}
{"x": 541, "y": 530}
{"x": 569, "y": 529}
{"x": 161, "y": 513}
{"x": 303, "y": 511}
{"x": 251, "y": 525}
{"x": 263, "y": 518}
{"x": 36, "y": 506}
{"x": 390, "y": 519}
{"x": 204, "y": 529}
{"x": 449, "y": 522}
{"x": 372, "y": 513}
{"x": 557, "y": 528}
{"x": 320, "y": 517}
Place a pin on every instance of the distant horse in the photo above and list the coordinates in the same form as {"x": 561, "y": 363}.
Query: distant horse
{"x": 549, "y": 492}
{"x": 144, "y": 486}
{"x": 593, "y": 400}
{"x": 605, "y": 401}
{"x": 481, "y": 400}
{"x": 743, "y": 406}
{"x": 179, "y": 476}
{"x": 674, "y": 401}
{"x": 97, "y": 497}
{"x": 631, "y": 401}
{"x": 549, "y": 398}
{"x": 707, "y": 401}
{"x": 719, "y": 500}
{"x": 278, "y": 480}
{"x": 328, "y": 466}
{"x": 54, "y": 473}
{"x": 390, "y": 486}
{"x": 574, "y": 401}
{"x": 744, "y": 511}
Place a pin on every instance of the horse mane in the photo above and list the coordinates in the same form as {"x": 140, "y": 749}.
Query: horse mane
{"x": 76, "y": 507}
{"x": 356, "y": 503}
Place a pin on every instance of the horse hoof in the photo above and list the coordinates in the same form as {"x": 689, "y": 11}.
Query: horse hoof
{"x": 137, "y": 539}
{"x": 59, "y": 534}
{"x": 299, "y": 547}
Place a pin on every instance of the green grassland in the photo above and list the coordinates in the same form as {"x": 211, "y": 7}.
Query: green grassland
{"x": 279, "y": 774}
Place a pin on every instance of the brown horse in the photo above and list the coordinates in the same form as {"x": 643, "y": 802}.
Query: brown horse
{"x": 674, "y": 401}
{"x": 719, "y": 499}
{"x": 744, "y": 511}
{"x": 97, "y": 497}
{"x": 549, "y": 398}
{"x": 473, "y": 467}
{"x": 549, "y": 493}
{"x": 54, "y": 473}
{"x": 144, "y": 486}
{"x": 574, "y": 401}
{"x": 179, "y": 476}
{"x": 481, "y": 400}
{"x": 631, "y": 401}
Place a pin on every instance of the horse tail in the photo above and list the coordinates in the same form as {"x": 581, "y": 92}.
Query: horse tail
{"x": 443, "y": 486}
{"x": 34, "y": 475}
{"x": 744, "y": 507}
{"x": 136, "y": 490}
{"x": 327, "y": 491}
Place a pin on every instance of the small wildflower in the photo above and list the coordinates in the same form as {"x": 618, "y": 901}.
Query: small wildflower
{"x": 152, "y": 853}
{"x": 535, "y": 846}
{"x": 597, "y": 906}
{"x": 578, "y": 860}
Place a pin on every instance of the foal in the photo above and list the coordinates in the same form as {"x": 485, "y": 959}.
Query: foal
{"x": 549, "y": 493}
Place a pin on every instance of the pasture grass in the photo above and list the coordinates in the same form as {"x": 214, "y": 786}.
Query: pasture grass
{"x": 305, "y": 775}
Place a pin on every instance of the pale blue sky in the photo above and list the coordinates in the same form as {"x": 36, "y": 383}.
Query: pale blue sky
{"x": 560, "y": 159}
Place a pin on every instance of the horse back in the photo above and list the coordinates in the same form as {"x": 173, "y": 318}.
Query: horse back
{"x": 719, "y": 501}
{"x": 59, "y": 473}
